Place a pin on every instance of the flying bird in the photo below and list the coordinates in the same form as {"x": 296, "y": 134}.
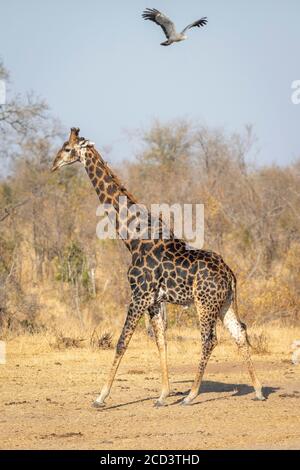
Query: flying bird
{"x": 169, "y": 27}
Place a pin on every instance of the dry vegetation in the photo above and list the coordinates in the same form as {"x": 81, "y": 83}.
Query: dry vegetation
{"x": 53, "y": 268}
{"x": 55, "y": 275}
{"x": 63, "y": 292}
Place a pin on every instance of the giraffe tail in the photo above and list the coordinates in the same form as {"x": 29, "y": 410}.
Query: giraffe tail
{"x": 235, "y": 307}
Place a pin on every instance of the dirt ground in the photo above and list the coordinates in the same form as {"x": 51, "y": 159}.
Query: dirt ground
{"x": 46, "y": 398}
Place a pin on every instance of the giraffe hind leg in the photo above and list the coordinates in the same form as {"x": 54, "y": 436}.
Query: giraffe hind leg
{"x": 208, "y": 320}
{"x": 238, "y": 331}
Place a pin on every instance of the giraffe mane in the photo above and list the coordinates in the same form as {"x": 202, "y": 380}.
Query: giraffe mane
{"x": 114, "y": 177}
{"x": 118, "y": 182}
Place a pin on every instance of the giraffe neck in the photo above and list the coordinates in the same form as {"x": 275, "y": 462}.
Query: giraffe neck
{"x": 112, "y": 193}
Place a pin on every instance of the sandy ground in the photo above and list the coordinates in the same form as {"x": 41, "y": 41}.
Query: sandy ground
{"x": 46, "y": 397}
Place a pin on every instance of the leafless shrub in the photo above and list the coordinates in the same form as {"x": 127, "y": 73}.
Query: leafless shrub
{"x": 260, "y": 343}
{"x": 101, "y": 341}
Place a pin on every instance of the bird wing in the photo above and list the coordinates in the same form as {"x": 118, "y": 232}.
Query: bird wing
{"x": 162, "y": 20}
{"x": 197, "y": 24}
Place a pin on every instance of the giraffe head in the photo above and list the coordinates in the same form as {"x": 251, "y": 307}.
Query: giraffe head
{"x": 73, "y": 150}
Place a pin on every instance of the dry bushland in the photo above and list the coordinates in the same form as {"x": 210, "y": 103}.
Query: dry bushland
{"x": 55, "y": 272}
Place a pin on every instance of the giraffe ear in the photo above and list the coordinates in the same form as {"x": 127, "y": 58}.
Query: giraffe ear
{"x": 74, "y": 135}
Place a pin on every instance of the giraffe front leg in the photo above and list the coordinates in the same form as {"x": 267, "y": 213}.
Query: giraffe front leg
{"x": 158, "y": 325}
{"x": 133, "y": 316}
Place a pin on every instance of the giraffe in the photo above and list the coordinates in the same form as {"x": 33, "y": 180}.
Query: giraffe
{"x": 163, "y": 271}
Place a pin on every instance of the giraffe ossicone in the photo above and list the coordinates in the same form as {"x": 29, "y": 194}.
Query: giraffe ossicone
{"x": 164, "y": 271}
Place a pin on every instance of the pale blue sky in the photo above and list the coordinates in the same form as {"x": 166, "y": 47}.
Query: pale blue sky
{"x": 100, "y": 66}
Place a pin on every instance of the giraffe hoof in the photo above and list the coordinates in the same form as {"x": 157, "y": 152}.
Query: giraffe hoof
{"x": 159, "y": 404}
{"x": 260, "y": 398}
{"x": 185, "y": 402}
{"x": 97, "y": 404}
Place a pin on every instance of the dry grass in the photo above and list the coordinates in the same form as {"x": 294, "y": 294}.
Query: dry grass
{"x": 65, "y": 342}
{"x": 260, "y": 343}
{"x": 46, "y": 400}
{"x": 184, "y": 341}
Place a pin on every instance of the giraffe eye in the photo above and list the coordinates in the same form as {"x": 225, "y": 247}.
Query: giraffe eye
{"x": 68, "y": 150}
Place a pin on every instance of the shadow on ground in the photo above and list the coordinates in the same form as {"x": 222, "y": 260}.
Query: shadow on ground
{"x": 207, "y": 386}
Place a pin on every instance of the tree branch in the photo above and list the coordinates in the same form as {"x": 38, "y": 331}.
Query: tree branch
{"x": 9, "y": 211}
